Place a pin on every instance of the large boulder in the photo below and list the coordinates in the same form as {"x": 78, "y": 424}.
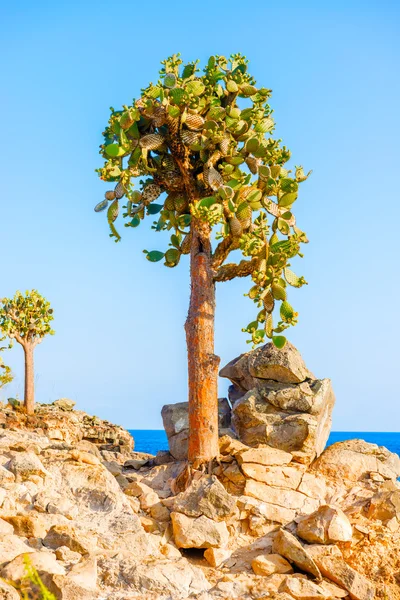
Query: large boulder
{"x": 206, "y": 496}
{"x": 176, "y": 424}
{"x": 293, "y": 418}
{"x": 327, "y": 525}
{"x": 267, "y": 362}
{"x": 200, "y": 532}
{"x": 355, "y": 460}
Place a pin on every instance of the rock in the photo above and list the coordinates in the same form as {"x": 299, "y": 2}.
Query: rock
{"x": 84, "y": 457}
{"x": 290, "y": 548}
{"x": 284, "y": 477}
{"x": 229, "y": 445}
{"x": 385, "y": 504}
{"x": 175, "y": 580}
{"x": 353, "y": 460}
{"x": 84, "y": 573}
{"x": 281, "y": 497}
{"x": 149, "y": 525}
{"x": 66, "y": 535}
{"x": 147, "y": 501}
{"x": 264, "y": 455}
{"x": 176, "y": 424}
{"x": 10, "y": 547}
{"x": 339, "y": 572}
{"x": 200, "y": 532}
{"x": 6, "y": 476}
{"x": 159, "y": 512}
{"x": 327, "y": 525}
{"x": 64, "y": 554}
{"x": 216, "y": 556}
{"x": 268, "y": 564}
{"x": 29, "y": 526}
{"x": 303, "y": 589}
{"x": 14, "y": 403}
{"x": 64, "y": 404}
{"x": 7, "y": 592}
{"x": 208, "y": 497}
{"x": 6, "y": 528}
{"x": 267, "y": 362}
{"x": 43, "y": 562}
{"x": 293, "y": 418}
{"x": 26, "y": 464}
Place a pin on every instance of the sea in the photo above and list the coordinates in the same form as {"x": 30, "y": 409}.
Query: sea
{"x": 153, "y": 440}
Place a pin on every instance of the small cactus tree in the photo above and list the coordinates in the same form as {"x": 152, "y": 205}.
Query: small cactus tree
{"x": 26, "y": 318}
{"x": 205, "y": 140}
{"x": 5, "y": 371}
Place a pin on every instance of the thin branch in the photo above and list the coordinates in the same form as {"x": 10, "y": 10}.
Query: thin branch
{"x": 232, "y": 270}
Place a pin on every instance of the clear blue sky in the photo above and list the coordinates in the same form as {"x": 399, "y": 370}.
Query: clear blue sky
{"x": 119, "y": 348}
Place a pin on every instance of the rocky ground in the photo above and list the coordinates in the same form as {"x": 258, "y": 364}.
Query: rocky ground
{"x": 100, "y": 521}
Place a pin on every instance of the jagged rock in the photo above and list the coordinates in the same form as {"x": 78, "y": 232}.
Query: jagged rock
{"x": 208, "y": 497}
{"x": 84, "y": 573}
{"x": 216, "y": 556}
{"x": 267, "y": 362}
{"x": 176, "y": 424}
{"x": 281, "y": 497}
{"x": 64, "y": 404}
{"x": 200, "y": 532}
{"x": 303, "y": 589}
{"x": 385, "y": 504}
{"x": 6, "y": 476}
{"x": 296, "y": 419}
{"x": 327, "y": 525}
{"x": 84, "y": 457}
{"x": 66, "y": 535}
{"x": 43, "y": 562}
{"x": 283, "y": 477}
{"x": 353, "y": 460}
{"x": 26, "y": 464}
{"x": 290, "y": 548}
{"x": 173, "y": 580}
{"x": 66, "y": 555}
{"x": 7, "y": 592}
{"x": 30, "y": 525}
{"x": 6, "y": 528}
{"x": 11, "y": 546}
{"x": 339, "y": 572}
{"x": 264, "y": 455}
{"x": 268, "y": 564}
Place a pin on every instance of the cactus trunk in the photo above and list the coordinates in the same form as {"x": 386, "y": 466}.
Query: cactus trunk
{"x": 202, "y": 362}
{"x": 29, "y": 393}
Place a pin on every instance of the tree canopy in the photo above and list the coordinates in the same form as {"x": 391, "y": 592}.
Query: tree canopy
{"x": 26, "y": 317}
{"x": 206, "y": 140}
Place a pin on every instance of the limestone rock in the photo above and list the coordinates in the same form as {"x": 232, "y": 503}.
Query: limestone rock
{"x": 176, "y": 424}
{"x": 327, "y": 525}
{"x": 84, "y": 573}
{"x": 43, "y": 562}
{"x": 293, "y": 418}
{"x": 267, "y": 362}
{"x": 385, "y": 504}
{"x": 64, "y": 554}
{"x": 268, "y": 564}
{"x": 303, "y": 589}
{"x": 84, "y": 457}
{"x": 216, "y": 556}
{"x": 166, "y": 579}
{"x": 6, "y": 476}
{"x": 200, "y": 532}
{"x": 64, "y": 404}
{"x": 206, "y": 496}
{"x": 264, "y": 455}
{"x": 26, "y": 464}
{"x": 290, "y": 548}
{"x": 7, "y": 592}
{"x": 284, "y": 477}
{"x": 10, "y": 547}
{"x": 281, "y": 497}
{"x": 6, "y": 528}
{"x": 353, "y": 460}
{"x": 66, "y": 535}
{"x": 28, "y": 526}
{"x": 339, "y": 572}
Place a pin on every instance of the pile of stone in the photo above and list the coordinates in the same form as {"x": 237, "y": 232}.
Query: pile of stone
{"x": 272, "y": 518}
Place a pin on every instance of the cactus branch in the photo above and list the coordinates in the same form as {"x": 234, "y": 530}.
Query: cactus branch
{"x": 232, "y": 270}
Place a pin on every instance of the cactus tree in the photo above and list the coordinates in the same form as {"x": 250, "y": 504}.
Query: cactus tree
{"x": 26, "y": 318}
{"x": 5, "y": 371}
{"x": 214, "y": 177}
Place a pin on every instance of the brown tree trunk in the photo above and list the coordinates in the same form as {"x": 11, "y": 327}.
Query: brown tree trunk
{"x": 29, "y": 394}
{"x": 202, "y": 362}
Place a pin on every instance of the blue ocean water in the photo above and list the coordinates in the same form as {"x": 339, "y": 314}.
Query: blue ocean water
{"x": 153, "y": 440}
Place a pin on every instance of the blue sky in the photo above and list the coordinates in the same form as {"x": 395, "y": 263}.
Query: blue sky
{"x": 119, "y": 348}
